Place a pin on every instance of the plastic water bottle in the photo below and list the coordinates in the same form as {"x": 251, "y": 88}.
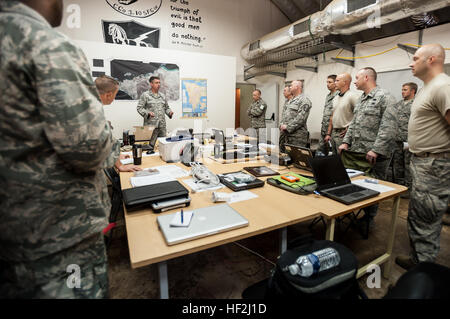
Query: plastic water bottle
{"x": 330, "y": 152}
{"x": 315, "y": 262}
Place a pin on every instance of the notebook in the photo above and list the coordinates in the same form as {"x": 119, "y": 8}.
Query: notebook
{"x": 300, "y": 156}
{"x": 333, "y": 181}
{"x": 204, "y": 222}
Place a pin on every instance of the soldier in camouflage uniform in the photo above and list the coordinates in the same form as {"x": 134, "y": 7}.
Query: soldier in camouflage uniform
{"x": 402, "y": 156}
{"x": 327, "y": 112}
{"x": 293, "y": 124}
{"x": 257, "y": 113}
{"x": 153, "y": 107}
{"x": 288, "y": 96}
{"x": 373, "y": 128}
{"x": 55, "y": 142}
{"x": 429, "y": 143}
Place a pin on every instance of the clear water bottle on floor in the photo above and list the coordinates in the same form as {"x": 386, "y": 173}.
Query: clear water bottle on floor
{"x": 315, "y": 262}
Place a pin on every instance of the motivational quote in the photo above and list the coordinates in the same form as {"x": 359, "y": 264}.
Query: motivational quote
{"x": 186, "y": 23}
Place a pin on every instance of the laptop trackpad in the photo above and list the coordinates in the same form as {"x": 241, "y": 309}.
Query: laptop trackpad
{"x": 356, "y": 195}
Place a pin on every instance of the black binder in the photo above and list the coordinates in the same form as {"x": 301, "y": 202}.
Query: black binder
{"x": 144, "y": 196}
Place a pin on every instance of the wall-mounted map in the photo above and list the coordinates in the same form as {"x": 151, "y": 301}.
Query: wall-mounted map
{"x": 130, "y": 33}
{"x": 133, "y": 78}
{"x": 194, "y": 98}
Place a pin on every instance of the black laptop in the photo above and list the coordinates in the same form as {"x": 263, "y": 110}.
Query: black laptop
{"x": 300, "y": 156}
{"x": 333, "y": 181}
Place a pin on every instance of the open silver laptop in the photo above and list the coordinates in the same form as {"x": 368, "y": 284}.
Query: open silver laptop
{"x": 205, "y": 221}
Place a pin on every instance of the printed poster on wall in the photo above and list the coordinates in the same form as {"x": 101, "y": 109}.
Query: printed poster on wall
{"x": 194, "y": 98}
{"x": 130, "y": 33}
{"x": 133, "y": 77}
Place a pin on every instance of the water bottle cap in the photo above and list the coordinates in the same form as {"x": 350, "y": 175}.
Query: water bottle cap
{"x": 294, "y": 269}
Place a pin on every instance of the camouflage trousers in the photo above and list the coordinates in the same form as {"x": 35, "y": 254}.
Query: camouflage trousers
{"x": 336, "y": 139}
{"x": 358, "y": 161}
{"x": 299, "y": 139}
{"x": 324, "y": 147}
{"x": 429, "y": 199}
{"x": 401, "y": 162}
{"x": 79, "y": 272}
{"x": 158, "y": 132}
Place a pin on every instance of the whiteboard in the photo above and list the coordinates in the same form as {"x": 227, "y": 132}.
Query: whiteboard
{"x": 393, "y": 81}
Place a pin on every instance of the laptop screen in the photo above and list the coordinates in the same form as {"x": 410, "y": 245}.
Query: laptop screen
{"x": 300, "y": 156}
{"x": 329, "y": 172}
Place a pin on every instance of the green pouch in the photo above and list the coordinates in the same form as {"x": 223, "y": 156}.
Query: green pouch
{"x": 304, "y": 181}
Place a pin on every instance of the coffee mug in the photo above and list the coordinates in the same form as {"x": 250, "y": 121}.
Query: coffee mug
{"x": 137, "y": 154}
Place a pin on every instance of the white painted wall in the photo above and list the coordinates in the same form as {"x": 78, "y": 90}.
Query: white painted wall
{"x": 227, "y": 25}
{"x": 220, "y": 90}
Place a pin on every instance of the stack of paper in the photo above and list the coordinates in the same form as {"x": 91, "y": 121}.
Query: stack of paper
{"x": 150, "y": 180}
{"x": 376, "y": 187}
{"x": 353, "y": 172}
{"x": 177, "y": 221}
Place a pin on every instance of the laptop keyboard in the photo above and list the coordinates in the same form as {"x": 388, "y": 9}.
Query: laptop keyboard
{"x": 345, "y": 190}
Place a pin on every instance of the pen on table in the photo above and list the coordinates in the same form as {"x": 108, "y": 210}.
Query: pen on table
{"x": 182, "y": 215}
{"x": 317, "y": 193}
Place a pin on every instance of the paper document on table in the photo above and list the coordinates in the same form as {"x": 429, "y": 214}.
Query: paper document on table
{"x": 201, "y": 187}
{"x": 178, "y": 221}
{"x": 241, "y": 196}
{"x": 127, "y": 161}
{"x": 150, "y": 180}
{"x": 353, "y": 172}
{"x": 172, "y": 170}
{"x": 376, "y": 187}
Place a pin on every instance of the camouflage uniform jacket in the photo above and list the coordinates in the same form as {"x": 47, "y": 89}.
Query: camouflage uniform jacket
{"x": 295, "y": 116}
{"x": 327, "y": 112}
{"x": 404, "y": 112}
{"x": 374, "y": 125}
{"x": 54, "y": 140}
{"x": 156, "y": 103}
{"x": 257, "y": 113}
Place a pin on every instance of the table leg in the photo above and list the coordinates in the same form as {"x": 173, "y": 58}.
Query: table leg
{"x": 163, "y": 280}
{"x": 331, "y": 223}
{"x": 390, "y": 247}
{"x": 283, "y": 240}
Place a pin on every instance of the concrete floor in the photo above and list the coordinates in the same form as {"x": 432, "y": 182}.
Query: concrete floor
{"x": 224, "y": 272}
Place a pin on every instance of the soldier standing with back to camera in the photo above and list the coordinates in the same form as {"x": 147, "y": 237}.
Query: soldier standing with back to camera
{"x": 55, "y": 142}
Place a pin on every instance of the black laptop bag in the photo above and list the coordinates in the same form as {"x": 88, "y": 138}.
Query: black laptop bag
{"x": 143, "y": 196}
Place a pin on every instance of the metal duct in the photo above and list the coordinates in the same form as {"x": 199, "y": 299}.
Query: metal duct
{"x": 336, "y": 19}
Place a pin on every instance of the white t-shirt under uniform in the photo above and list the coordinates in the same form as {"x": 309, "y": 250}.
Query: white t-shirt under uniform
{"x": 343, "y": 107}
{"x": 428, "y": 130}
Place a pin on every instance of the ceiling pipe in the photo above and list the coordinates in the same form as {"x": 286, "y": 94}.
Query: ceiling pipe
{"x": 344, "y": 17}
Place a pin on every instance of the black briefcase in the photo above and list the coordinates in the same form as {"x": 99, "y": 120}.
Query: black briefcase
{"x": 143, "y": 196}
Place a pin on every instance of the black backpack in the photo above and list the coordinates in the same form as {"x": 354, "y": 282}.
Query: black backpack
{"x": 335, "y": 283}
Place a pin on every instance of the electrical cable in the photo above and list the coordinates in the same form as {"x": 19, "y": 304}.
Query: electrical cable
{"x": 376, "y": 54}
{"x": 254, "y": 253}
